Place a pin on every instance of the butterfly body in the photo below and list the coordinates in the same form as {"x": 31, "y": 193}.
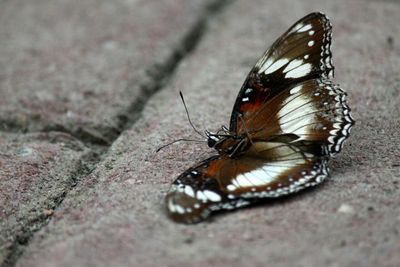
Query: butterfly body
{"x": 287, "y": 121}
{"x": 228, "y": 144}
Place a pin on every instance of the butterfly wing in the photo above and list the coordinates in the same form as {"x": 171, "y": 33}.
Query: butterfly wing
{"x": 301, "y": 53}
{"x": 267, "y": 170}
{"x": 313, "y": 110}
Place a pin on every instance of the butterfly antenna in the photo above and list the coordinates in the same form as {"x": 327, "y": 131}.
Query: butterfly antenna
{"x": 178, "y": 140}
{"x": 187, "y": 113}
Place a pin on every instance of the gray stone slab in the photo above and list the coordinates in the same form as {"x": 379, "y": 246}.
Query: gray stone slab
{"x": 77, "y": 67}
{"x": 83, "y": 66}
{"x": 36, "y": 171}
{"x": 116, "y": 218}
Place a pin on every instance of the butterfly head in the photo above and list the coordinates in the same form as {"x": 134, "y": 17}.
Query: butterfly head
{"x": 225, "y": 142}
{"x": 213, "y": 139}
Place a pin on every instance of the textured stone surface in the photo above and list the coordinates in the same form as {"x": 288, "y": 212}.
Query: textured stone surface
{"x": 82, "y": 66}
{"x": 115, "y": 216}
{"x": 75, "y": 68}
{"x": 36, "y": 170}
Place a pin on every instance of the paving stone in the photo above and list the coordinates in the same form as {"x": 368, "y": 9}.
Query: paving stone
{"x": 36, "y": 171}
{"x": 83, "y": 66}
{"x": 116, "y": 217}
{"x": 77, "y": 67}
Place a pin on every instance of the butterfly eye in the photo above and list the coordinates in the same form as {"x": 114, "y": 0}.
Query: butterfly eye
{"x": 212, "y": 140}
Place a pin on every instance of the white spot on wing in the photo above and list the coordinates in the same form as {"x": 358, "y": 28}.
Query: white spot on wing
{"x": 298, "y": 27}
{"x": 295, "y": 90}
{"x": 171, "y": 206}
{"x": 189, "y": 191}
{"x": 311, "y": 43}
{"x": 266, "y": 65}
{"x": 296, "y": 114}
{"x": 293, "y": 64}
{"x": 248, "y": 91}
{"x": 179, "y": 209}
{"x": 231, "y": 187}
{"x": 276, "y": 65}
{"x": 305, "y": 28}
{"x": 253, "y": 178}
{"x": 201, "y": 196}
{"x": 300, "y": 71}
{"x": 266, "y": 174}
{"x": 214, "y": 197}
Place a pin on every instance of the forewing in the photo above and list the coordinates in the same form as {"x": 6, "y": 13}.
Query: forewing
{"x": 267, "y": 170}
{"x": 301, "y": 53}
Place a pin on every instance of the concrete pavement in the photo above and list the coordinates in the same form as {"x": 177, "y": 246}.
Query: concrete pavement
{"x": 90, "y": 192}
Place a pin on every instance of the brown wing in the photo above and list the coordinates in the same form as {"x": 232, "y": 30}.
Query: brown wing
{"x": 301, "y": 53}
{"x": 313, "y": 110}
{"x": 267, "y": 170}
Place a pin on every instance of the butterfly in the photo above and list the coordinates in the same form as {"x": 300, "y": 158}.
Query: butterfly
{"x": 288, "y": 120}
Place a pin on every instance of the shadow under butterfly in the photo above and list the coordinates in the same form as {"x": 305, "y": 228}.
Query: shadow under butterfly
{"x": 286, "y": 123}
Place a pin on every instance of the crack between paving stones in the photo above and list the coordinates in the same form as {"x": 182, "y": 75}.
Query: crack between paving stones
{"x": 99, "y": 144}
{"x": 27, "y": 230}
{"x": 163, "y": 73}
{"x": 158, "y": 75}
